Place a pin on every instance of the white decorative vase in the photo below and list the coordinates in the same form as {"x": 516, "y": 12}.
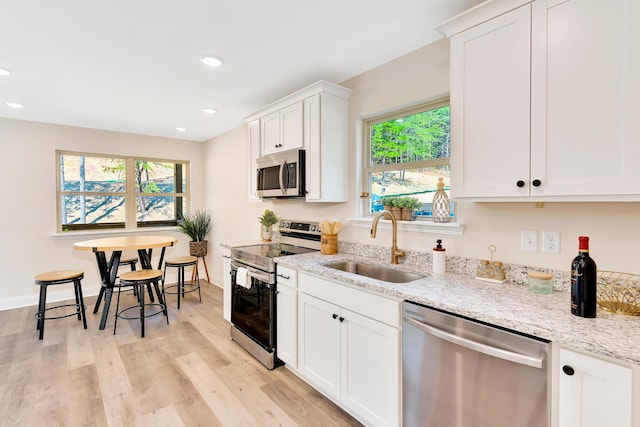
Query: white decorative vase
{"x": 266, "y": 233}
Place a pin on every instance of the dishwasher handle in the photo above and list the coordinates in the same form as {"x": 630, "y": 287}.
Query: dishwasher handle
{"x": 521, "y": 359}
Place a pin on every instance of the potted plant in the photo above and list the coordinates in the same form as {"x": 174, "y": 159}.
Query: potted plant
{"x": 267, "y": 220}
{"x": 409, "y": 205}
{"x": 196, "y": 225}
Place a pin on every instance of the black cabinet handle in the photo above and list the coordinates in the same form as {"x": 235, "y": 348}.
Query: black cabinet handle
{"x": 536, "y": 182}
{"x": 520, "y": 183}
{"x": 335, "y": 316}
{"x": 341, "y": 319}
{"x": 568, "y": 370}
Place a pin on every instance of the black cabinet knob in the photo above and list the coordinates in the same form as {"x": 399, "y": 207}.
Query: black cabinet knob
{"x": 568, "y": 370}
{"x": 536, "y": 182}
{"x": 341, "y": 319}
{"x": 335, "y": 316}
{"x": 520, "y": 183}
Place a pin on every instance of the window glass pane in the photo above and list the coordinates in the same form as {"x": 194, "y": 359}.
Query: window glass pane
{"x": 159, "y": 177}
{"x": 159, "y": 208}
{"x": 92, "y": 174}
{"x": 92, "y": 210}
{"x": 421, "y": 136}
{"x": 419, "y": 183}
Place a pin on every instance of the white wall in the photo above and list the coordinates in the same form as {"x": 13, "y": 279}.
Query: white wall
{"x": 409, "y": 80}
{"x": 28, "y": 214}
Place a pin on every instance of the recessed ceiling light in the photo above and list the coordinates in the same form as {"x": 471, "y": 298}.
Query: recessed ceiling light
{"x": 14, "y": 105}
{"x": 181, "y": 129}
{"x": 5, "y": 72}
{"x": 209, "y": 111}
{"x": 211, "y": 61}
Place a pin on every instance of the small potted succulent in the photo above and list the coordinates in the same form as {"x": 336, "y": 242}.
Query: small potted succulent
{"x": 267, "y": 220}
{"x": 196, "y": 225}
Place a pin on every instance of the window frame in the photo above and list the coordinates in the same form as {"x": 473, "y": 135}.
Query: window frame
{"x": 130, "y": 194}
{"x": 368, "y": 168}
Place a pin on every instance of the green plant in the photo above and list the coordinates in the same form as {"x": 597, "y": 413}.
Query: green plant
{"x": 388, "y": 201}
{"x": 196, "y": 224}
{"x": 268, "y": 218}
{"x": 414, "y": 203}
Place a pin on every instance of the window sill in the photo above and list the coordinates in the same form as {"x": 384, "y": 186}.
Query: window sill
{"x": 94, "y": 234}
{"x": 449, "y": 228}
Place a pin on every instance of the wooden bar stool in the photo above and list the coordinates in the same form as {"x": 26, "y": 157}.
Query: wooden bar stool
{"x": 59, "y": 277}
{"x": 180, "y": 288}
{"x": 138, "y": 279}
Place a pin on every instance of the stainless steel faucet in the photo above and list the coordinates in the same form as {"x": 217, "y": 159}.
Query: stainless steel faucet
{"x": 395, "y": 252}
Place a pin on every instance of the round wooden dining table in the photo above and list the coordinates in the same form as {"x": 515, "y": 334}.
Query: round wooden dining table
{"x": 144, "y": 244}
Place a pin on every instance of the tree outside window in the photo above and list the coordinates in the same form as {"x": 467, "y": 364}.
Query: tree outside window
{"x": 408, "y": 152}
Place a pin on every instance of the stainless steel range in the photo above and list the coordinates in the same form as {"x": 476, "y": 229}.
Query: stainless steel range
{"x": 254, "y": 284}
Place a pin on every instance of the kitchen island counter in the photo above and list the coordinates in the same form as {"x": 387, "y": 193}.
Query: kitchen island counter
{"x": 506, "y": 305}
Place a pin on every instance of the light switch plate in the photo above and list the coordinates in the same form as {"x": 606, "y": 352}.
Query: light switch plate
{"x": 529, "y": 241}
{"x": 550, "y": 242}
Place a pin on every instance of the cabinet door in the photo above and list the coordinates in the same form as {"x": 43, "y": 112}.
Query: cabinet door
{"x": 490, "y": 107}
{"x": 593, "y": 392}
{"x": 270, "y": 133}
{"x": 253, "y": 136}
{"x": 227, "y": 288}
{"x": 370, "y": 369}
{"x": 583, "y": 57}
{"x": 287, "y": 325}
{"x": 291, "y": 127}
{"x": 319, "y": 344}
{"x": 312, "y": 141}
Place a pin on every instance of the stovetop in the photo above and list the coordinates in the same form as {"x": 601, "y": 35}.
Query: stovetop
{"x": 296, "y": 237}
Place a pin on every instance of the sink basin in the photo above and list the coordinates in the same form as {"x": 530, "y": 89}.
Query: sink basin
{"x": 376, "y": 272}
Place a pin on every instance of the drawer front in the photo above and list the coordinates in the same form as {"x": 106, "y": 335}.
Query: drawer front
{"x": 287, "y": 277}
{"x": 381, "y": 308}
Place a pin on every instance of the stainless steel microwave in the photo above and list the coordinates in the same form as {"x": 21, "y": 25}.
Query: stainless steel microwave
{"x": 281, "y": 175}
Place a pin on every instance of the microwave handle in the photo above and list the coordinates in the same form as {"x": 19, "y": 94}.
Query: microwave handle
{"x": 283, "y": 169}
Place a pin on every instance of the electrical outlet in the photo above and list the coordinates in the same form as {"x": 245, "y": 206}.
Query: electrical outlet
{"x": 550, "y": 242}
{"x": 529, "y": 241}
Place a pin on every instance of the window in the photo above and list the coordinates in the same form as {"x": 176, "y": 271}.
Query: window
{"x": 96, "y": 191}
{"x": 407, "y": 152}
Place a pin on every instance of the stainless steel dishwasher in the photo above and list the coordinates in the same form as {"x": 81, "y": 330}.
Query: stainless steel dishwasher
{"x": 462, "y": 373}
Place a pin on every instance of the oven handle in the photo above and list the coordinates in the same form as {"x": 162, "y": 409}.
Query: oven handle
{"x": 256, "y": 274}
{"x": 283, "y": 168}
{"x": 521, "y": 359}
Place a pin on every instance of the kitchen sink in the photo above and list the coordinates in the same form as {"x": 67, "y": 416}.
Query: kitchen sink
{"x": 376, "y": 272}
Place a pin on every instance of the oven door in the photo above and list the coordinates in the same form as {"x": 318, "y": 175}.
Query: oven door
{"x": 253, "y": 307}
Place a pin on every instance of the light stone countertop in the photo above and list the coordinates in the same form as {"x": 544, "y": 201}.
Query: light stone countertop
{"x": 507, "y": 305}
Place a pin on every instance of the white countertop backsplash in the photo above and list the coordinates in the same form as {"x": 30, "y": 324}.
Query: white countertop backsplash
{"x": 509, "y": 305}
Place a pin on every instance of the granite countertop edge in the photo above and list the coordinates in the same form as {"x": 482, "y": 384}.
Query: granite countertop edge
{"x": 505, "y": 305}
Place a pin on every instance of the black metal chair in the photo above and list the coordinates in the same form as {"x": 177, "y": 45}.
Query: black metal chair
{"x": 138, "y": 280}
{"x": 182, "y": 287}
{"x": 59, "y": 277}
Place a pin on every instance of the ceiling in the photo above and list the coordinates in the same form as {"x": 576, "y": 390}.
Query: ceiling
{"x": 133, "y": 66}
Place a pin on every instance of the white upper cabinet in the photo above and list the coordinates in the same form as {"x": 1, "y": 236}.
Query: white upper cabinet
{"x": 315, "y": 119}
{"x": 545, "y": 100}
{"x": 282, "y": 130}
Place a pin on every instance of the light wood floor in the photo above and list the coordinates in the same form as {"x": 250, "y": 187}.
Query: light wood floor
{"x": 187, "y": 373}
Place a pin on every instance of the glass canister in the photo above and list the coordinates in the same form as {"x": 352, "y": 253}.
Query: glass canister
{"x": 441, "y": 209}
{"x": 540, "y": 283}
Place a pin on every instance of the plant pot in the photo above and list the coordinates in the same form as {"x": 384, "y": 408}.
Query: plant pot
{"x": 407, "y": 214}
{"x": 198, "y": 249}
{"x": 397, "y": 213}
{"x": 266, "y": 233}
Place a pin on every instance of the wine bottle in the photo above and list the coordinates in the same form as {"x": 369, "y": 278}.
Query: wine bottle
{"x": 583, "y": 281}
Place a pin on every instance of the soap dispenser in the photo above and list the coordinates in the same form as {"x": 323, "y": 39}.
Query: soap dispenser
{"x": 439, "y": 258}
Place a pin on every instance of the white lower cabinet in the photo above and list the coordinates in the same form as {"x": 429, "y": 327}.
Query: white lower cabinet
{"x": 349, "y": 348}
{"x": 287, "y": 316}
{"x": 593, "y": 392}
